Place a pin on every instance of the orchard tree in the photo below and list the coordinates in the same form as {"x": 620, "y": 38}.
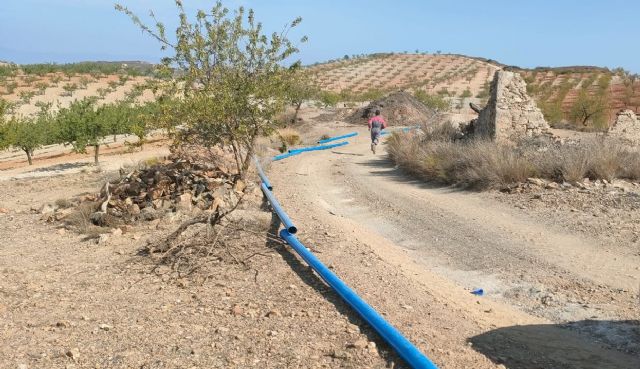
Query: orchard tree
{"x": 81, "y": 125}
{"x": 301, "y": 88}
{"x": 30, "y": 133}
{"x": 230, "y": 76}
{"x": 592, "y": 109}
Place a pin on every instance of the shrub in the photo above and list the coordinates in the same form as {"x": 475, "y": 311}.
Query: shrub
{"x": 435, "y": 102}
{"x": 289, "y": 137}
{"x": 435, "y": 155}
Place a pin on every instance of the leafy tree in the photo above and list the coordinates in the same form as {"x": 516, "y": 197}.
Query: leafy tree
{"x": 590, "y": 108}
{"x": 231, "y": 77}
{"x": 81, "y": 125}
{"x": 29, "y": 134}
{"x": 435, "y": 102}
{"x": 301, "y": 88}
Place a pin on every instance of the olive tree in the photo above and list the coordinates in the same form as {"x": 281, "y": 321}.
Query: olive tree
{"x": 230, "y": 76}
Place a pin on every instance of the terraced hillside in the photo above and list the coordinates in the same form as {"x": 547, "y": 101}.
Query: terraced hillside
{"x": 27, "y": 88}
{"x": 451, "y": 75}
{"x": 558, "y": 91}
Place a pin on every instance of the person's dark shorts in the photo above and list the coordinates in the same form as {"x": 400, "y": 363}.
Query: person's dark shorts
{"x": 375, "y": 136}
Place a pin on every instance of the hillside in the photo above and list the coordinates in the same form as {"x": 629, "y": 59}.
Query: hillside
{"x": 445, "y": 74}
{"x": 28, "y": 87}
{"x": 556, "y": 90}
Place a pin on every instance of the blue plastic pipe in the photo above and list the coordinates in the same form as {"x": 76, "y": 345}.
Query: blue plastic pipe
{"x": 389, "y": 333}
{"x": 284, "y": 218}
{"x": 318, "y": 147}
{"x": 338, "y": 138}
{"x": 263, "y": 176}
{"x": 284, "y": 156}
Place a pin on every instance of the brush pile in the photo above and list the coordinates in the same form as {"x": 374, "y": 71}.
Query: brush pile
{"x": 192, "y": 180}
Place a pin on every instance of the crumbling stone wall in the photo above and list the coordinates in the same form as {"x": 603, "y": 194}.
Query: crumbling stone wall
{"x": 510, "y": 113}
{"x": 626, "y": 127}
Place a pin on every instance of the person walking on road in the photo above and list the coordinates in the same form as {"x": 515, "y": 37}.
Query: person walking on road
{"x": 376, "y": 125}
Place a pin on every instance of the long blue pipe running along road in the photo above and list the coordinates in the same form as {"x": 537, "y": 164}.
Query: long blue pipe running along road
{"x": 263, "y": 176}
{"x": 338, "y": 138}
{"x": 318, "y": 147}
{"x": 389, "y": 333}
{"x": 284, "y": 218}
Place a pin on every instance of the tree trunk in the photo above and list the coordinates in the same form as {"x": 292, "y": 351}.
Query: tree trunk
{"x": 247, "y": 159}
{"x": 96, "y": 152}
{"x": 295, "y": 115}
{"x": 29, "y": 156}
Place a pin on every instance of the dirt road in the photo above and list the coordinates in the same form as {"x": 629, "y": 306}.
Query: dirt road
{"x": 553, "y": 299}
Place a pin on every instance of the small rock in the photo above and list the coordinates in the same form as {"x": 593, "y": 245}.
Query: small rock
{"x": 222, "y": 330}
{"x": 358, "y": 344}
{"x": 102, "y": 239}
{"x": 63, "y": 324}
{"x": 134, "y": 209}
{"x": 116, "y": 232}
{"x": 552, "y": 186}
{"x": 536, "y": 181}
{"x": 62, "y": 231}
{"x": 272, "y": 333}
{"x": 237, "y": 310}
{"x": 4, "y": 210}
{"x": 240, "y": 186}
{"x": 46, "y": 209}
{"x": 274, "y": 313}
{"x": 105, "y": 327}
{"x": 74, "y": 353}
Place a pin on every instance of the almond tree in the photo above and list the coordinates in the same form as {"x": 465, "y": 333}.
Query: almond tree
{"x": 29, "y": 133}
{"x": 80, "y": 125}
{"x": 229, "y": 76}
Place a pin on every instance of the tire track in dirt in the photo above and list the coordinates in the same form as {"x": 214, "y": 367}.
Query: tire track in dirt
{"x": 468, "y": 242}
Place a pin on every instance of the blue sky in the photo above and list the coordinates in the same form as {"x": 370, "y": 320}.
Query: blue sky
{"x": 523, "y": 33}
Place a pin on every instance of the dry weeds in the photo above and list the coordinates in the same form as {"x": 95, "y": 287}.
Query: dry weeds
{"x": 436, "y": 154}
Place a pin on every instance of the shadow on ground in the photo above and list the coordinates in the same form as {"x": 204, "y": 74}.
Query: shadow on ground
{"x": 559, "y": 346}
{"x": 61, "y": 167}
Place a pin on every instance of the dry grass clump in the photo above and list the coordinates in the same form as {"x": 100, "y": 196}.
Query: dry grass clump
{"x": 289, "y": 136}
{"x": 438, "y": 155}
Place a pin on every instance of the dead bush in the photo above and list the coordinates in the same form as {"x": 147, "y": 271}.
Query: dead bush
{"x": 289, "y": 136}
{"x": 436, "y": 155}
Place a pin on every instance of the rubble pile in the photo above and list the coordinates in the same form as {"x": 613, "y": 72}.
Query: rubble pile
{"x": 185, "y": 182}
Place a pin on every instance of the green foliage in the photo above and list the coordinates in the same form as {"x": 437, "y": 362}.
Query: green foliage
{"x": 552, "y": 111}
{"x": 93, "y": 68}
{"x": 29, "y": 134}
{"x": 592, "y": 109}
{"x": 230, "y": 77}
{"x": 79, "y": 125}
{"x": 435, "y": 102}
{"x": 300, "y": 89}
{"x": 328, "y": 98}
{"x": 466, "y": 93}
{"x": 11, "y": 87}
{"x": 8, "y": 70}
{"x": 484, "y": 92}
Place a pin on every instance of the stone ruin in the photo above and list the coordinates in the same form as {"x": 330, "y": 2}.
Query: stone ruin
{"x": 510, "y": 113}
{"x": 626, "y": 127}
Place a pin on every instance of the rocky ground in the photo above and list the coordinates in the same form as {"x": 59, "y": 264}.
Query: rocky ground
{"x": 69, "y": 302}
{"x": 607, "y": 211}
